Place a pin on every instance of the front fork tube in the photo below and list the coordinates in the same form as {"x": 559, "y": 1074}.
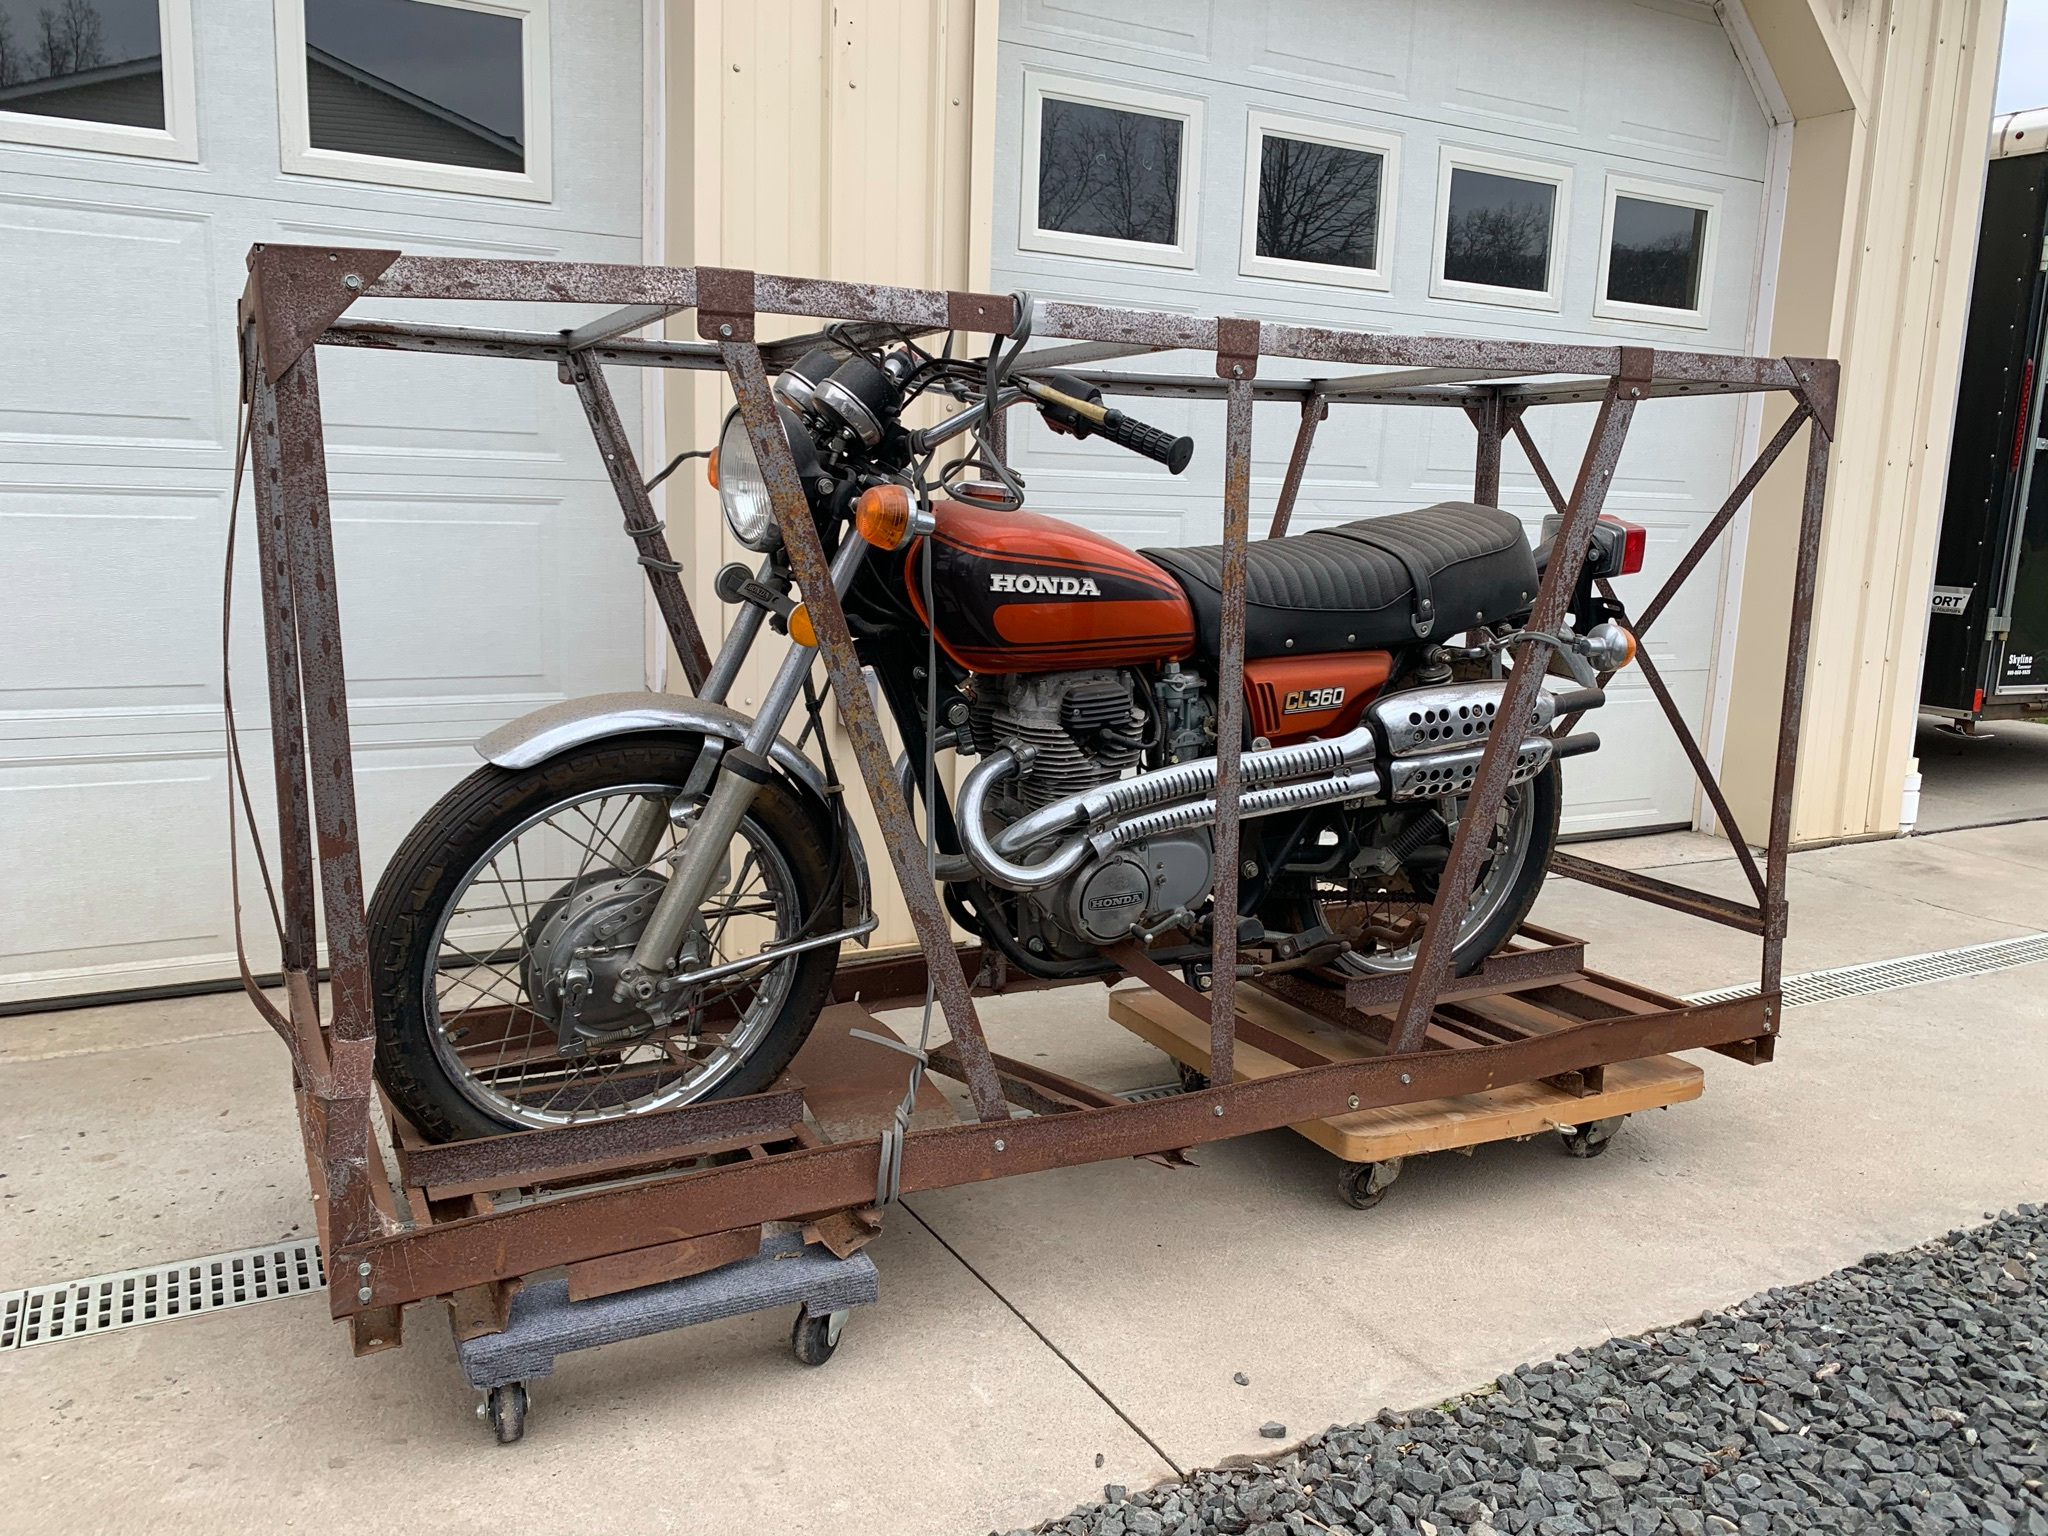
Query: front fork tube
{"x": 639, "y": 836}
{"x": 740, "y": 776}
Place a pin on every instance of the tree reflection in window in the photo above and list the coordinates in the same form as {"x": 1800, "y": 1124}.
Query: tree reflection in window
{"x": 1497, "y": 230}
{"x": 99, "y": 61}
{"x": 1108, "y": 172}
{"x": 1318, "y": 202}
{"x": 1656, "y": 254}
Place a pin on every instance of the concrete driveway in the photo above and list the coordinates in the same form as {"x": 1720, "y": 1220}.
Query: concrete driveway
{"x": 1027, "y": 1328}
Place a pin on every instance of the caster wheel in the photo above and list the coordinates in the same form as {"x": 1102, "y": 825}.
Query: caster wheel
{"x": 1590, "y": 1139}
{"x": 814, "y": 1338}
{"x": 505, "y": 1411}
{"x": 1191, "y": 1081}
{"x": 1365, "y": 1185}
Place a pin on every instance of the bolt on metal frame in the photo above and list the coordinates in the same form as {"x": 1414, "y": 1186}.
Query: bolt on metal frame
{"x": 297, "y": 299}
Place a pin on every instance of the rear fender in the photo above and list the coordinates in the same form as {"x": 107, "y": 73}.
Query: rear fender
{"x": 534, "y": 738}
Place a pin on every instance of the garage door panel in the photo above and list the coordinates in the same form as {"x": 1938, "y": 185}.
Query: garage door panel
{"x": 1700, "y": 111}
{"x": 132, "y": 359}
{"x": 409, "y": 406}
{"x": 1640, "y": 776}
{"x": 1361, "y": 45}
{"x": 1520, "y": 73}
{"x": 1174, "y": 27}
{"x": 107, "y": 585}
{"x": 437, "y": 590}
{"x": 161, "y": 897}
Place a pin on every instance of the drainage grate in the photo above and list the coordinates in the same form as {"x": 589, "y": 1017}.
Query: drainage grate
{"x": 1156, "y": 1091}
{"x": 43, "y": 1314}
{"x": 1889, "y": 975}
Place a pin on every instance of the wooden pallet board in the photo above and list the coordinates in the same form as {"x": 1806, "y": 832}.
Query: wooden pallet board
{"x": 1404, "y": 1130}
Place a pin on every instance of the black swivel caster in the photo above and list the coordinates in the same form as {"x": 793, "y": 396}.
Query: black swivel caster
{"x": 1365, "y": 1185}
{"x": 1191, "y": 1081}
{"x": 816, "y": 1335}
{"x": 505, "y": 1411}
{"x": 1590, "y": 1139}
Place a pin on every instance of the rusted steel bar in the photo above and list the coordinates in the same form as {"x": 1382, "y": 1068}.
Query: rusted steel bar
{"x": 1405, "y": 379}
{"x": 1313, "y": 410}
{"x": 643, "y": 526}
{"x": 1504, "y": 972}
{"x": 1237, "y": 361}
{"x": 630, "y": 317}
{"x": 1792, "y": 709}
{"x": 857, "y": 710}
{"x": 1691, "y": 747}
{"x": 287, "y": 720}
{"x": 1535, "y": 455}
{"x": 570, "y": 282}
{"x": 523, "y": 1157}
{"x": 1474, "y": 838}
{"x": 352, "y": 1031}
{"x": 537, "y": 346}
{"x": 1664, "y": 893}
{"x": 1566, "y": 392}
{"x": 1489, "y": 420}
{"x": 1744, "y": 489}
{"x": 435, "y": 1261}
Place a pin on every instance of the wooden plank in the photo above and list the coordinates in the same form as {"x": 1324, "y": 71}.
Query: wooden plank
{"x": 662, "y": 1261}
{"x": 852, "y": 1087}
{"x": 1405, "y": 1130}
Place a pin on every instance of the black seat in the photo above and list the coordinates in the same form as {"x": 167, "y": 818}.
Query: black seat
{"x": 1355, "y": 586}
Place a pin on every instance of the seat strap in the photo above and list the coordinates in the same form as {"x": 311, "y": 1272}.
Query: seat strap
{"x": 1424, "y": 617}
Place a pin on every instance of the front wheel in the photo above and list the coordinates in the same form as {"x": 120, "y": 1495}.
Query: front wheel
{"x": 502, "y": 924}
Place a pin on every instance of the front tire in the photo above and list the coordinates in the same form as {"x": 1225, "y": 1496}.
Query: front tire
{"x": 516, "y": 874}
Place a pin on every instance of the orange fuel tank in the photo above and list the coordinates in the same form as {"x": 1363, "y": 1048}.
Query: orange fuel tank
{"x": 1023, "y": 592}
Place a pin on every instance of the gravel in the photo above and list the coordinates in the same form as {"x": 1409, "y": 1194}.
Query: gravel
{"x": 1902, "y": 1394}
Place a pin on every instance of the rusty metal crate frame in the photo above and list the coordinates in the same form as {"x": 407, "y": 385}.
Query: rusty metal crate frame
{"x": 297, "y": 298}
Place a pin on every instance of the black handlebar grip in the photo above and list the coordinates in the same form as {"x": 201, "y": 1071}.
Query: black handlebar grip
{"x": 1129, "y": 432}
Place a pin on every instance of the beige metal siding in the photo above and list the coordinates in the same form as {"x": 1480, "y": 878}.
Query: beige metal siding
{"x": 827, "y": 139}
{"x": 1893, "y": 105}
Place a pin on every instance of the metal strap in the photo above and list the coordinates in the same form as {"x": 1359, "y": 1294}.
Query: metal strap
{"x": 1418, "y": 572}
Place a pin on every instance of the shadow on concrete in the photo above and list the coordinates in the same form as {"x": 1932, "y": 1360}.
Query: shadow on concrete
{"x": 1999, "y": 775}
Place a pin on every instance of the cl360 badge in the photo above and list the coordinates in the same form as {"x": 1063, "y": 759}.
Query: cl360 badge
{"x": 1053, "y": 586}
{"x": 1304, "y": 701}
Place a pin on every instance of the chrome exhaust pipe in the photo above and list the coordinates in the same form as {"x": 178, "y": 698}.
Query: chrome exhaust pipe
{"x": 1093, "y": 808}
{"x": 1346, "y": 767}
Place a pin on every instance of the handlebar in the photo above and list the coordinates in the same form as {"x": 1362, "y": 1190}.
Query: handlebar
{"x": 1090, "y": 416}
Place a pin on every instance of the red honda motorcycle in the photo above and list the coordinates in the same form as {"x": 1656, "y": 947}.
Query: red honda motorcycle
{"x": 640, "y": 900}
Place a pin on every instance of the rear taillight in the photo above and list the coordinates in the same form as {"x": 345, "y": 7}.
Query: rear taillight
{"x": 1633, "y": 538}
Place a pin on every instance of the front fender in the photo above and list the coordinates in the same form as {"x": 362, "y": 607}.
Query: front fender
{"x": 557, "y": 728}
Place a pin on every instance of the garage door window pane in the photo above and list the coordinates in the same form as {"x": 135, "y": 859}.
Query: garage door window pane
{"x": 1319, "y": 202}
{"x": 412, "y": 81}
{"x": 98, "y": 61}
{"x": 1497, "y": 232}
{"x": 1108, "y": 172}
{"x": 1656, "y": 255}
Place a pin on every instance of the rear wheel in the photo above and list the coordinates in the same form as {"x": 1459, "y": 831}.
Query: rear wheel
{"x": 1381, "y": 901}
{"x": 501, "y": 926}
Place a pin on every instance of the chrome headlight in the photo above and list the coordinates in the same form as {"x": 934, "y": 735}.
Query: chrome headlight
{"x": 743, "y": 489}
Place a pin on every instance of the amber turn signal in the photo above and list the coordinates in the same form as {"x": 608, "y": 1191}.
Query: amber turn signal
{"x": 801, "y": 629}
{"x": 711, "y": 469}
{"x": 882, "y": 516}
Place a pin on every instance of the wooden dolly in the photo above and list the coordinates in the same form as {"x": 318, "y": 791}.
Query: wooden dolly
{"x": 1540, "y": 989}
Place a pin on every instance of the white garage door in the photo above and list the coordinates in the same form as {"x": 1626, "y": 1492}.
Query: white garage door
{"x": 1411, "y": 166}
{"x": 481, "y": 566}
